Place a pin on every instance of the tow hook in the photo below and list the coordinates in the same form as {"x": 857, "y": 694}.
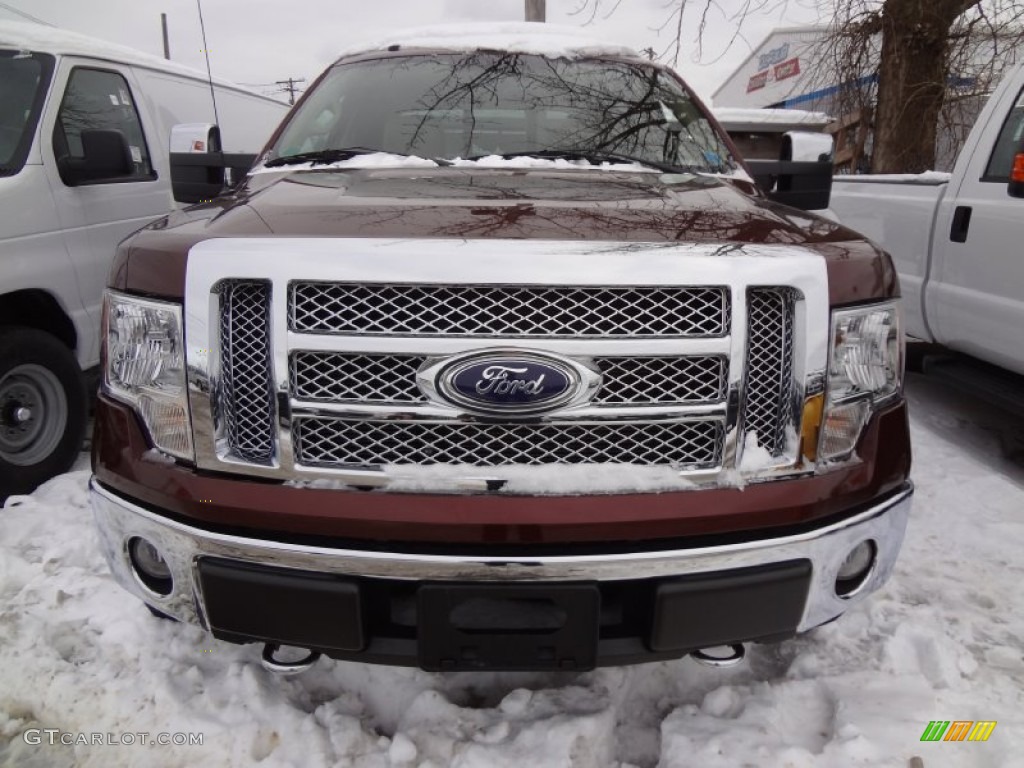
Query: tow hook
{"x": 736, "y": 653}
{"x": 286, "y": 667}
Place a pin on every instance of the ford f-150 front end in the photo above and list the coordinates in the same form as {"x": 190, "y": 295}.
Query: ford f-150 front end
{"x": 531, "y": 391}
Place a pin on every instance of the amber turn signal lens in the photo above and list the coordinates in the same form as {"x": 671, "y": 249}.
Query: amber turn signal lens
{"x": 1018, "y": 168}
{"x": 813, "y": 407}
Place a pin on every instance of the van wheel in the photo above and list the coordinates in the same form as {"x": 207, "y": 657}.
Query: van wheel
{"x": 43, "y": 407}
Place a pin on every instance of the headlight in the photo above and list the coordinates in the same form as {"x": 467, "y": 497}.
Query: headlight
{"x": 865, "y": 370}
{"x": 144, "y": 366}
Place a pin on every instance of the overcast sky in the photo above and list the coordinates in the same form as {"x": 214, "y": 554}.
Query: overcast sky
{"x": 260, "y": 41}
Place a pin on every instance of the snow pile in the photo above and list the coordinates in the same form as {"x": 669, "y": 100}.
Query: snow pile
{"x": 941, "y": 642}
{"x": 755, "y": 458}
{"x": 550, "y": 40}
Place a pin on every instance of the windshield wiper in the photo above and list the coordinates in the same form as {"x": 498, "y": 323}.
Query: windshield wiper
{"x": 327, "y": 156}
{"x": 320, "y": 156}
{"x": 591, "y": 156}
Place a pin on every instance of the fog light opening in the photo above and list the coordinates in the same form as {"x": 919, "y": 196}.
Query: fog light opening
{"x": 149, "y": 566}
{"x": 855, "y": 569}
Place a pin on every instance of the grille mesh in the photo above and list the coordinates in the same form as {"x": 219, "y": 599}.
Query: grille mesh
{"x": 339, "y": 442}
{"x": 349, "y": 377}
{"x": 769, "y": 366}
{"x": 661, "y": 380}
{"x": 247, "y": 399}
{"x": 511, "y": 311}
{"x": 341, "y": 377}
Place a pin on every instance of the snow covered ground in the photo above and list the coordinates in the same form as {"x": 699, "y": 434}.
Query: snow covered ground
{"x": 942, "y": 642}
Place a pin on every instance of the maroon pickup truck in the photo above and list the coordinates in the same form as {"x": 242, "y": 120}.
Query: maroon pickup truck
{"x": 498, "y": 359}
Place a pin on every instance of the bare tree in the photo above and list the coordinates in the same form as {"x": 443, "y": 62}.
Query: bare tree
{"x": 924, "y": 64}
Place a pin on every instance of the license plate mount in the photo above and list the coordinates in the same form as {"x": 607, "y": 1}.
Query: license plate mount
{"x": 507, "y": 626}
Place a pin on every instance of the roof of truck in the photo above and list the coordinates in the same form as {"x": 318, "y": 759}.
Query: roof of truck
{"x": 550, "y": 40}
{"x": 42, "y": 38}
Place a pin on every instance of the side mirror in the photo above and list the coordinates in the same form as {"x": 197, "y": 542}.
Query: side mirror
{"x": 804, "y": 146}
{"x": 1016, "y": 186}
{"x": 200, "y": 171}
{"x": 802, "y": 176}
{"x": 803, "y": 185}
{"x": 195, "y": 138}
{"x": 105, "y": 155}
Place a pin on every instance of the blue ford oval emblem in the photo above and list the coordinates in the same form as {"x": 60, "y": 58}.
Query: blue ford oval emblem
{"x": 509, "y": 384}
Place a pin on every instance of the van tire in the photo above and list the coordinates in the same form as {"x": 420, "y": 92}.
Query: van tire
{"x": 43, "y": 409}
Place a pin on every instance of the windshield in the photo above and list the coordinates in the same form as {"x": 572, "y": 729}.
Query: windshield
{"x": 450, "y": 106}
{"x": 23, "y": 81}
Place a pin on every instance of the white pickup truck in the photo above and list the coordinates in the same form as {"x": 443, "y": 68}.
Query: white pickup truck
{"x": 957, "y": 239}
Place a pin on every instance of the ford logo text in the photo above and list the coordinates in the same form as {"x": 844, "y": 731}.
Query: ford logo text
{"x": 512, "y": 383}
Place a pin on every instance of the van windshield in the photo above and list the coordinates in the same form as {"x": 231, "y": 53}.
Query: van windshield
{"x": 449, "y": 106}
{"x": 24, "y": 78}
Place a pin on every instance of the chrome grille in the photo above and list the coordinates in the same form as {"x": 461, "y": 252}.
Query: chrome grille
{"x": 246, "y": 399}
{"x": 341, "y": 377}
{"x": 768, "y": 405}
{"x": 661, "y": 380}
{"x": 348, "y": 377}
{"x": 339, "y": 442}
{"x": 510, "y": 311}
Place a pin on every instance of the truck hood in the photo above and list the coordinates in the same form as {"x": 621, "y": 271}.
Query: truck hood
{"x": 579, "y": 205}
{"x": 493, "y": 203}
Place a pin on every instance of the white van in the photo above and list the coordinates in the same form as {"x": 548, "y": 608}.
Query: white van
{"x": 85, "y": 132}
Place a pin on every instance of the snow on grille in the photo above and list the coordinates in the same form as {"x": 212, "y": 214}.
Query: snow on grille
{"x": 329, "y": 442}
{"x": 511, "y": 311}
{"x": 352, "y": 377}
{"x": 246, "y": 399}
{"x": 769, "y": 366}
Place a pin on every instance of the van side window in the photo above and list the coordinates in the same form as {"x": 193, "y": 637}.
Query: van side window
{"x": 1010, "y": 138}
{"x": 97, "y": 106}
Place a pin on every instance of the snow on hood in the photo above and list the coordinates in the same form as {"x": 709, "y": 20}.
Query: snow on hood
{"x": 388, "y": 160}
{"x": 374, "y": 160}
{"x": 550, "y": 40}
{"x": 525, "y": 161}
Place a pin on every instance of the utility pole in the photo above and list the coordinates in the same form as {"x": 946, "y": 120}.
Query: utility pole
{"x": 290, "y": 86}
{"x": 167, "y": 44}
{"x": 535, "y": 10}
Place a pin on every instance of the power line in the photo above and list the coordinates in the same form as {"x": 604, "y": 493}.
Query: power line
{"x": 290, "y": 85}
{"x": 28, "y": 16}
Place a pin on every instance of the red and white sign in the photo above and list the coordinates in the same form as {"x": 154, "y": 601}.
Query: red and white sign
{"x": 788, "y": 68}
{"x": 758, "y": 81}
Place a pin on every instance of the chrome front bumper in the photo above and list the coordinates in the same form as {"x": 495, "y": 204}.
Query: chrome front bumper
{"x": 183, "y": 546}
